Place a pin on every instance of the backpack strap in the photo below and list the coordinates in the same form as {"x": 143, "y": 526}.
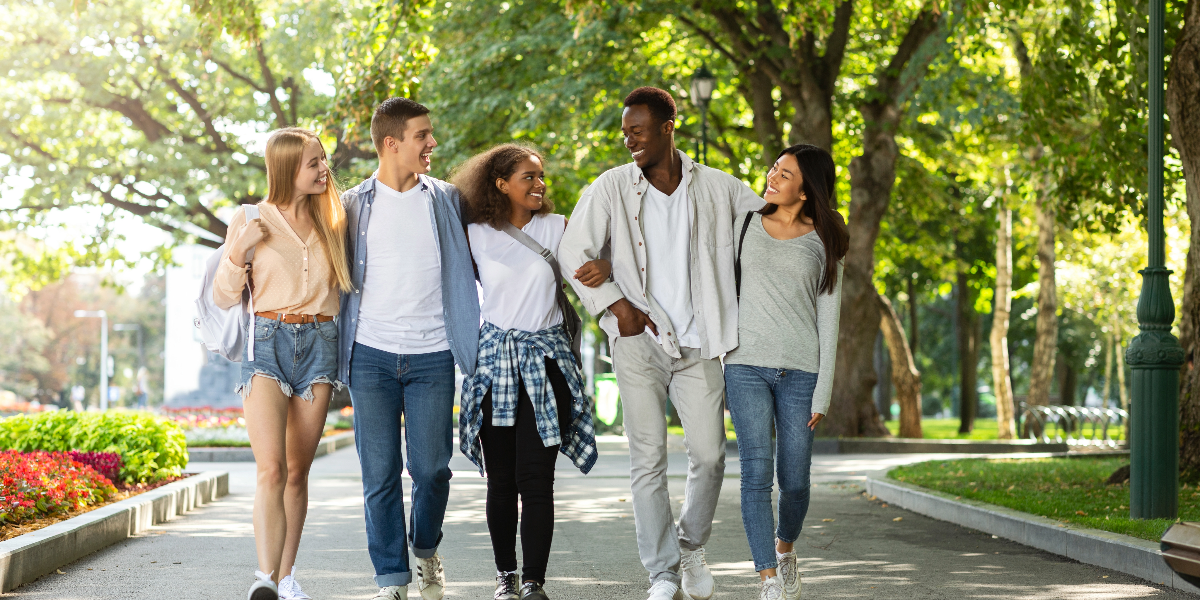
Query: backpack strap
{"x": 737, "y": 264}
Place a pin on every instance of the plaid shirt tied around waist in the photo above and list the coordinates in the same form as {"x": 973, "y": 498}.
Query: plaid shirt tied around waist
{"x": 510, "y": 358}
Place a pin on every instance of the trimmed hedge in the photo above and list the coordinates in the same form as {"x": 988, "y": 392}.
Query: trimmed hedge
{"x": 150, "y": 447}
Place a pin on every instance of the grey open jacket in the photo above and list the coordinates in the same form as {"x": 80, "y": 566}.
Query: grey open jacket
{"x": 609, "y": 214}
{"x": 460, "y": 302}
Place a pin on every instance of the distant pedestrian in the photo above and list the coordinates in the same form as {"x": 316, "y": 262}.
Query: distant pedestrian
{"x": 414, "y": 313}
{"x": 670, "y": 313}
{"x": 299, "y": 269}
{"x": 790, "y": 284}
{"x": 525, "y": 402}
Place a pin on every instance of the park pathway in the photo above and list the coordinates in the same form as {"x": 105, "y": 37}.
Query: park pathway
{"x": 852, "y": 547}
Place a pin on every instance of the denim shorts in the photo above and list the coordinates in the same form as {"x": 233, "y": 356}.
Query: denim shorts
{"x": 294, "y": 355}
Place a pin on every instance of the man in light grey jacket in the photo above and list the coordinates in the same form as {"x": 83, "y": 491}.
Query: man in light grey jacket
{"x": 671, "y": 312}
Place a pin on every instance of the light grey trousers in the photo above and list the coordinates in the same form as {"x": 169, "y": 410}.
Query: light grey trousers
{"x": 647, "y": 376}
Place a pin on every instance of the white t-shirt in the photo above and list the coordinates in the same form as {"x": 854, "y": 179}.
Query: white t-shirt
{"x": 517, "y": 285}
{"x": 667, "y": 224}
{"x": 401, "y": 309}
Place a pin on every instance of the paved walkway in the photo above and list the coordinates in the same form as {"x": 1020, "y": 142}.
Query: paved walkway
{"x": 851, "y": 548}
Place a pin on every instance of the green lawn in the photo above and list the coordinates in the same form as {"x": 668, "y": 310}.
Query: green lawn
{"x": 1071, "y": 490}
{"x": 947, "y": 429}
{"x": 985, "y": 429}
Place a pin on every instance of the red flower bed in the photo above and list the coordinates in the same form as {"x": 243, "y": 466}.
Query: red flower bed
{"x": 107, "y": 464}
{"x": 37, "y": 484}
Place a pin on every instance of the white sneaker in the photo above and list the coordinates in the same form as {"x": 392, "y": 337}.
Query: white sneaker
{"x": 789, "y": 575}
{"x": 289, "y": 588}
{"x": 431, "y": 577}
{"x": 771, "y": 589}
{"x": 665, "y": 590}
{"x": 263, "y": 588}
{"x": 697, "y": 579}
{"x": 392, "y": 592}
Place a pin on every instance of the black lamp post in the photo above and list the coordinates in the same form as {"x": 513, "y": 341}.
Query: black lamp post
{"x": 703, "y": 83}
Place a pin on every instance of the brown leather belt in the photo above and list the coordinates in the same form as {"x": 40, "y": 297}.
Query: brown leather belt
{"x": 293, "y": 319}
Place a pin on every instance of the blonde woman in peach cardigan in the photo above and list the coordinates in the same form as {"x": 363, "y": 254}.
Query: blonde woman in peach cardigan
{"x": 299, "y": 270}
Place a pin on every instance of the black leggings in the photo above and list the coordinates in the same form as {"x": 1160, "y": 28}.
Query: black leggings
{"x": 517, "y": 463}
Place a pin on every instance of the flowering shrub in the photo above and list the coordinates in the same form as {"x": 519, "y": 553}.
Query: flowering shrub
{"x": 37, "y": 484}
{"x": 107, "y": 464}
{"x": 150, "y": 447}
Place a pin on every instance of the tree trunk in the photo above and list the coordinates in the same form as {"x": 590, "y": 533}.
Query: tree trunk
{"x": 1108, "y": 369}
{"x": 1045, "y": 345}
{"x": 968, "y": 355}
{"x": 914, "y": 329}
{"x": 883, "y": 375}
{"x": 1183, "y": 107}
{"x": 872, "y": 176}
{"x": 905, "y": 376}
{"x": 1001, "y": 307}
{"x": 1067, "y": 380}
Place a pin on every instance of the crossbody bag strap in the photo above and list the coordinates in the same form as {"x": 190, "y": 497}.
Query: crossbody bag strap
{"x": 571, "y": 321}
{"x": 737, "y": 264}
{"x": 532, "y": 244}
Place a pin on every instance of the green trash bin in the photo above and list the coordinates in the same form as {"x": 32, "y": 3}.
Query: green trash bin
{"x": 608, "y": 399}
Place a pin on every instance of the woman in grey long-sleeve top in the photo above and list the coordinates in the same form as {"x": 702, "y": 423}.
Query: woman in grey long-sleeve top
{"x": 789, "y": 273}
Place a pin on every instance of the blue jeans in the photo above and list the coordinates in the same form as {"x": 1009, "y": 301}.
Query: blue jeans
{"x": 419, "y": 388}
{"x": 756, "y": 396}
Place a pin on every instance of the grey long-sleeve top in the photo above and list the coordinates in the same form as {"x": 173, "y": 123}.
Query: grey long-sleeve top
{"x": 783, "y": 323}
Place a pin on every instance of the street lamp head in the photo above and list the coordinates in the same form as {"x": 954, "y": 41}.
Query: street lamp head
{"x": 90, "y": 313}
{"x": 703, "y": 83}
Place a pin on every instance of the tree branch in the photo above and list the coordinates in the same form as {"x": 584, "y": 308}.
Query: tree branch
{"x": 269, "y": 78}
{"x": 835, "y": 45}
{"x": 197, "y": 107}
{"x": 712, "y": 40}
{"x": 240, "y": 77}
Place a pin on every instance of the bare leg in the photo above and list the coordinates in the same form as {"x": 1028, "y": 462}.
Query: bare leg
{"x": 306, "y": 421}
{"x": 266, "y": 412}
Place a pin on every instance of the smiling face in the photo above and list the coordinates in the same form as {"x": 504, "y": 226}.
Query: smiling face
{"x": 313, "y": 175}
{"x": 649, "y": 141}
{"x": 411, "y": 154}
{"x": 785, "y": 184}
{"x": 526, "y": 187}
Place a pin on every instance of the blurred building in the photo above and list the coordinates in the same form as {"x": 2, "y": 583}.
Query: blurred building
{"x": 193, "y": 376}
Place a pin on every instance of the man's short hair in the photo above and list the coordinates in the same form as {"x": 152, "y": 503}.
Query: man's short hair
{"x": 391, "y": 117}
{"x": 660, "y": 102}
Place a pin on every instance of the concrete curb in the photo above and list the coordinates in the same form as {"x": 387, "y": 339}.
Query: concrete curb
{"x": 1122, "y": 553}
{"x": 27, "y": 557}
{"x": 913, "y": 446}
{"x": 245, "y": 454}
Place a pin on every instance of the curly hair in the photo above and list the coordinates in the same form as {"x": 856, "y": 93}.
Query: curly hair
{"x": 659, "y": 101}
{"x": 476, "y": 181}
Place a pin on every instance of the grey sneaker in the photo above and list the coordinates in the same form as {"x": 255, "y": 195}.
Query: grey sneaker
{"x": 392, "y": 592}
{"x": 431, "y": 577}
{"x": 697, "y": 579}
{"x": 789, "y": 575}
{"x": 532, "y": 590}
{"x": 771, "y": 589}
{"x": 506, "y": 586}
{"x": 263, "y": 588}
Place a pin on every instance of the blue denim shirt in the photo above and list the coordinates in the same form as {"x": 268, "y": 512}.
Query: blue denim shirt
{"x": 460, "y": 301}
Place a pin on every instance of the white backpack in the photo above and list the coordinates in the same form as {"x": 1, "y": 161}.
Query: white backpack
{"x": 226, "y": 331}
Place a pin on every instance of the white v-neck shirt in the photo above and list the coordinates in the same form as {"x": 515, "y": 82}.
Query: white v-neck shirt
{"x": 517, "y": 286}
{"x": 667, "y": 224}
{"x": 401, "y": 310}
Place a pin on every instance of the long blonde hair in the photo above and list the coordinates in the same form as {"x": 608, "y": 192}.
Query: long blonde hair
{"x": 285, "y": 149}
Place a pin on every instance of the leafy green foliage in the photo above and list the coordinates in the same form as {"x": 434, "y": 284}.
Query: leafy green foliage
{"x": 151, "y": 447}
{"x": 1071, "y": 490}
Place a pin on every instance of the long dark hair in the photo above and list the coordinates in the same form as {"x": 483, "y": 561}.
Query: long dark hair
{"x": 476, "y": 181}
{"x": 819, "y": 185}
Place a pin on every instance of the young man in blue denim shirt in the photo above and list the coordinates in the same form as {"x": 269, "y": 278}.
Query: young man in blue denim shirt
{"x": 413, "y": 314}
